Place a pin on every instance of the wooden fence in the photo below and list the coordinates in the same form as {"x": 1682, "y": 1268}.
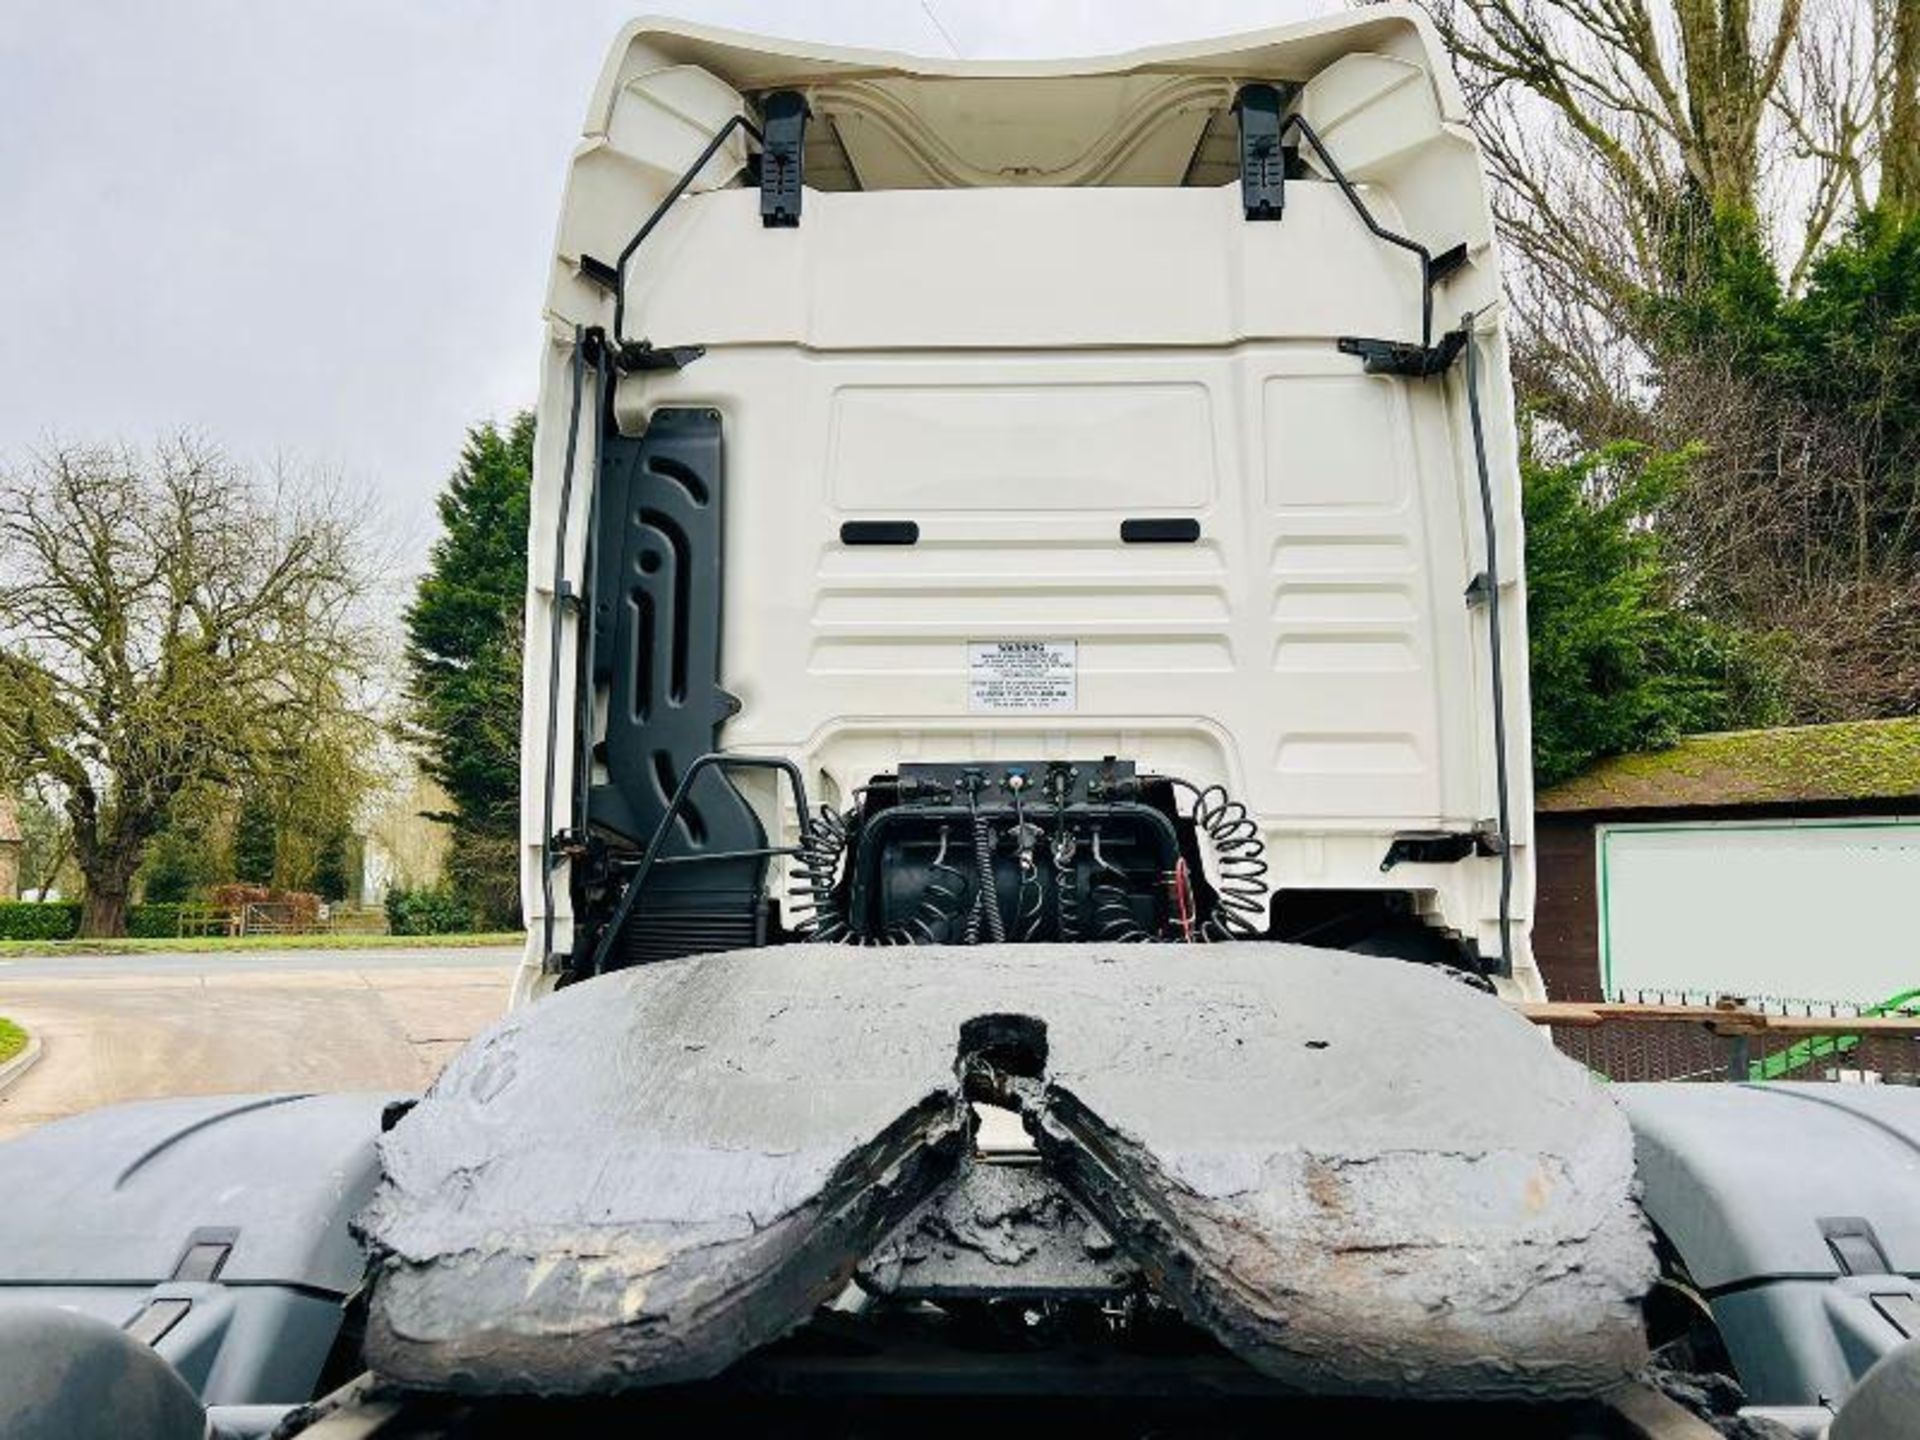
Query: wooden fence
{"x": 1739, "y": 1039}
{"x": 273, "y": 918}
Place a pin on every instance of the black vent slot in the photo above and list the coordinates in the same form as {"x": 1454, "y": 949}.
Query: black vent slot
{"x": 1160, "y": 532}
{"x": 880, "y": 532}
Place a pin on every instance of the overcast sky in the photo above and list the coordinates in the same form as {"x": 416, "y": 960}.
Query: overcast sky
{"x": 318, "y": 229}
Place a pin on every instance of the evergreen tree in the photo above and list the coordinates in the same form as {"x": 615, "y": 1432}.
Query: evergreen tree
{"x": 255, "y": 839}
{"x": 464, "y": 654}
{"x": 330, "y": 880}
{"x": 180, "y": 860}
{"x": 1618, "y": 664}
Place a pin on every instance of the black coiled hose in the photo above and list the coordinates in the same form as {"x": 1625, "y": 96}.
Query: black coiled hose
{"x": 815, "y": 881}
{"x": 816, "y": 870}
{"x": 1030, "y": 900}
{"x": 1113, "y": 917}
{"x": 986, "y": 894}
{"x": 1238, "y": 913}
{"x": 1066, "y": 897}
{"x": 1240, "y": 854}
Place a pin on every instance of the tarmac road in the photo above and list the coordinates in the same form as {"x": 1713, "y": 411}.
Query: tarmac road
{"x": 133, "y": 1027}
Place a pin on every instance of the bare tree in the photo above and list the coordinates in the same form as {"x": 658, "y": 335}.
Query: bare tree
{"x": 1897, "y": 103}
{"x": 1666, "y": 176}
{"x": 163, "y": 623}
{"x": 1624, "y": 137}
{"x": 1666, "y": 97}
{"x": 1795, "y": 522}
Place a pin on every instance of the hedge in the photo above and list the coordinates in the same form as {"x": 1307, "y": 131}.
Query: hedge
{"x": 39, "y": 919}
{"x": 429, "y": 910}
{"x": 60, "y": 920}
{"x": 156, "y": 920}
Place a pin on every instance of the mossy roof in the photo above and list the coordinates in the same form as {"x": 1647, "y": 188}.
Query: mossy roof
{"x": 1855, "y": 760}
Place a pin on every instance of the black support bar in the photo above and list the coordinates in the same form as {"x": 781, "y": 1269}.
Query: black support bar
{"x": 1503, "y": 819}
{"x": 1263, "y": 181}
{"x": 647, "y": 226}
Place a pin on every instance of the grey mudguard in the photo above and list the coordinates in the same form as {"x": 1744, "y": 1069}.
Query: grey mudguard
{"x": 1361, "y": 1176}
{"x": 104, "y": 1210}
{"x": 1796, "y": 1208}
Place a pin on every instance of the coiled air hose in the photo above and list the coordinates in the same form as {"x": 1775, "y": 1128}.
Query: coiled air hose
{"x": 1113, "y": 917}
{"x": 1239, "y": 909}
{"x": 1240, "y": 855}
{"x": 814, "y": 886}
{"x": 816, "y": 870}
{"x": 1238, "y": 912}
{"x": 986, "y": 894}
{"x": 1066, "y": 886}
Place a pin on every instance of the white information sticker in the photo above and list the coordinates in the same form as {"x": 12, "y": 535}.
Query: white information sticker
{"x": 1022, "y": 676}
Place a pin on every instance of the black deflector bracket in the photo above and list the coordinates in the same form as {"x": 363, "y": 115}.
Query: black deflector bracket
{"x": 784, "y": 125}
{"x": 656, "y": 656}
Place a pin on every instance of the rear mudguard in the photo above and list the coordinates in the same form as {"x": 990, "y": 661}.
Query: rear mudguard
{"x": 1362, "y": 1177}
{"x": 1795, "y": 1209}
{"x": 214, "y": 1228}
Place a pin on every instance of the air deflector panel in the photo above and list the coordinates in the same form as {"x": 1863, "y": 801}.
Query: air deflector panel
{"x": 656, "y": 652}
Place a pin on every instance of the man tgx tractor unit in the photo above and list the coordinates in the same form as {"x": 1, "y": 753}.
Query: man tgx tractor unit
{"x": 1025, "y": 817}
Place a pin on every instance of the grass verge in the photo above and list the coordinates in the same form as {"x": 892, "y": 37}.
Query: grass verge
{"x": 196, "y": 943}
{"x": 12, "y": 1039}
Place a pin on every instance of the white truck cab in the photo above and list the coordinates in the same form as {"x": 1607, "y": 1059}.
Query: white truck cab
{"x": 929, "y": 425}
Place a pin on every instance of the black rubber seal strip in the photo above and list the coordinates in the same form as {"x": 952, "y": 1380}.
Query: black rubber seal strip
{"x": 1159, "y": 532}
{"x": 880, "y": 532}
